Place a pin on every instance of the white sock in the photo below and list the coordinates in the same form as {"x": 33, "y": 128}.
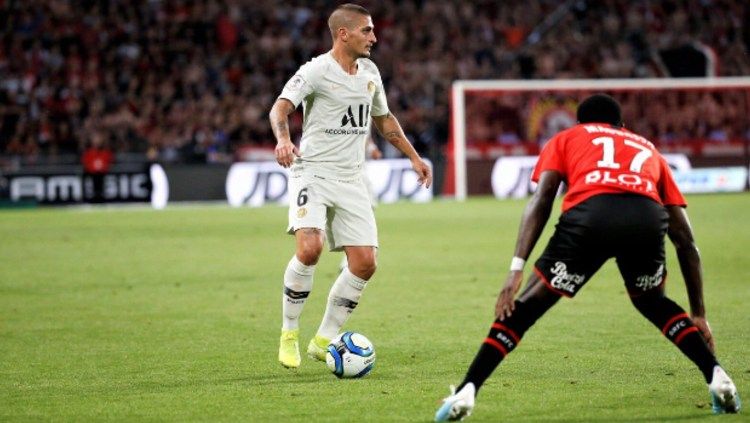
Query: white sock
{"x": 298, "y": 282}
{"x": 342, "y": 300}
{"x": 344, "y": 263}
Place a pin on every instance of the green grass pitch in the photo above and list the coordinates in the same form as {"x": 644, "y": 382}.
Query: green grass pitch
{"x": 137, "y": 315}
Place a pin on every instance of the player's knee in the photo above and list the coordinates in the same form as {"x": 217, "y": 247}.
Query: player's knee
{"x": 364, "y": 268}
{"x": 309, "y": 246}
{"x": 370, "y": 269}
{"x": 309, "y": 252}
{"x": 308, "y": 257}
{"x": 363, "y": 263}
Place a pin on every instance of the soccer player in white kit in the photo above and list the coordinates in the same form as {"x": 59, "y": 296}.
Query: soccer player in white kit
{"x": 340, "y": 91}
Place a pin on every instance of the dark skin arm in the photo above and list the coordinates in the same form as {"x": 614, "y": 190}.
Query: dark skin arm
{"x": 534, "y": 219}
{"x": 681, "y": 235}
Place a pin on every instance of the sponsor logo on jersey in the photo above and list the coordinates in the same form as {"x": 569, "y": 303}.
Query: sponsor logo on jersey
{"x": 361, "y": 119}
{"x": 563, "y": 280}
{"x": 346, "y": 131}
{"x": 631, "y": 181}
{"x": 355, "y": 121}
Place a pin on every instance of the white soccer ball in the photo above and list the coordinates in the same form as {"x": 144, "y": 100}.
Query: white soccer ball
{"x": 350, "y": 355}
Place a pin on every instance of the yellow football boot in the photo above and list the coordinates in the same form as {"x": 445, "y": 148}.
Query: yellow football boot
{"x": 318, "y": 347}
{"x": 289, "y": 348}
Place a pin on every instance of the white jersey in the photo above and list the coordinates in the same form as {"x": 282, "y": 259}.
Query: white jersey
{"x": 336, "y": 113}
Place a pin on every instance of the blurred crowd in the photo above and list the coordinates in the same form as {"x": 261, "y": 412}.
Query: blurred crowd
{"x": 676, "y": 116}
{"x": 193, "y": 80}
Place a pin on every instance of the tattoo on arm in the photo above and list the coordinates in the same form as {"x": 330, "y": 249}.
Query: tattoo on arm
{"x": 280, "y": 120}
{"x": 392, "y": 136}
{"x": 282, "y": 125}
{"x": 280, "y": 128}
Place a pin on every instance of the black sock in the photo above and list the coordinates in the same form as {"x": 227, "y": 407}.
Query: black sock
{"x": 503, "y": 338}
{"x": 676, "y": 325}
{"x": 499, "y": 342}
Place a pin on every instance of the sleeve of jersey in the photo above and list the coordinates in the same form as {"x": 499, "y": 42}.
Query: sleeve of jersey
{"x": 668, "y": 190}
{"x": 299, "y": 86}
{"x": 551, "y": 158}
{"x": 379, "y": 100}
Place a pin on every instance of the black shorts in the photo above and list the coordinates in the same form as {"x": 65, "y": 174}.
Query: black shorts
{"x": 629, "y": 227}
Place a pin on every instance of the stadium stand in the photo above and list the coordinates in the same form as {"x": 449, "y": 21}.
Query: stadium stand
{"x": 194, "y": 79}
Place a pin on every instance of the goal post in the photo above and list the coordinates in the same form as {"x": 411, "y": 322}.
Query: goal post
{"x": 711, "y": 114}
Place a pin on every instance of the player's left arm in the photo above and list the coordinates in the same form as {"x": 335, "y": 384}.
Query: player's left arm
{"x": 681, "y": 235}
{"x": 391, "y": 130}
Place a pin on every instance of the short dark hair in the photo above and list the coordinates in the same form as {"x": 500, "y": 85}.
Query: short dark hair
{"x": 599, "y": 108}
{"x": 336, "y": 20}
{"x": 351, "y": 7}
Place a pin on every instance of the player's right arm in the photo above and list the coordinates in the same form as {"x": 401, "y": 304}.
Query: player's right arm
{"x": 534, "y": 219}
{"x": 295, "y": 90}
{"x": 279, "y": 116}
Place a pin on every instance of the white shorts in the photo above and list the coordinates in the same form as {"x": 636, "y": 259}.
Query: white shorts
{"x": 340, "y": 207}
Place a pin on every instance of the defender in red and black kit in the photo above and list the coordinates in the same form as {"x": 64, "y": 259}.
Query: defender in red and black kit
{"x": 621, "y": 202}
{"x": 618, "y": 185}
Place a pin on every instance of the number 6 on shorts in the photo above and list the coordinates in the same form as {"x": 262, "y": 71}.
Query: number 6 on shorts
{"x": 302, "y": 197}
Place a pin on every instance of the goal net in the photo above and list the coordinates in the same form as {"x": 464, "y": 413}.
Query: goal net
{"x": 703, "y": 118}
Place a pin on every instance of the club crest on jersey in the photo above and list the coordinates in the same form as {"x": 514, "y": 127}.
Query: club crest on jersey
{"x": 371, "y": 87}
{"x": 301, "y": 212}
{"x": 295, "y": 83}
